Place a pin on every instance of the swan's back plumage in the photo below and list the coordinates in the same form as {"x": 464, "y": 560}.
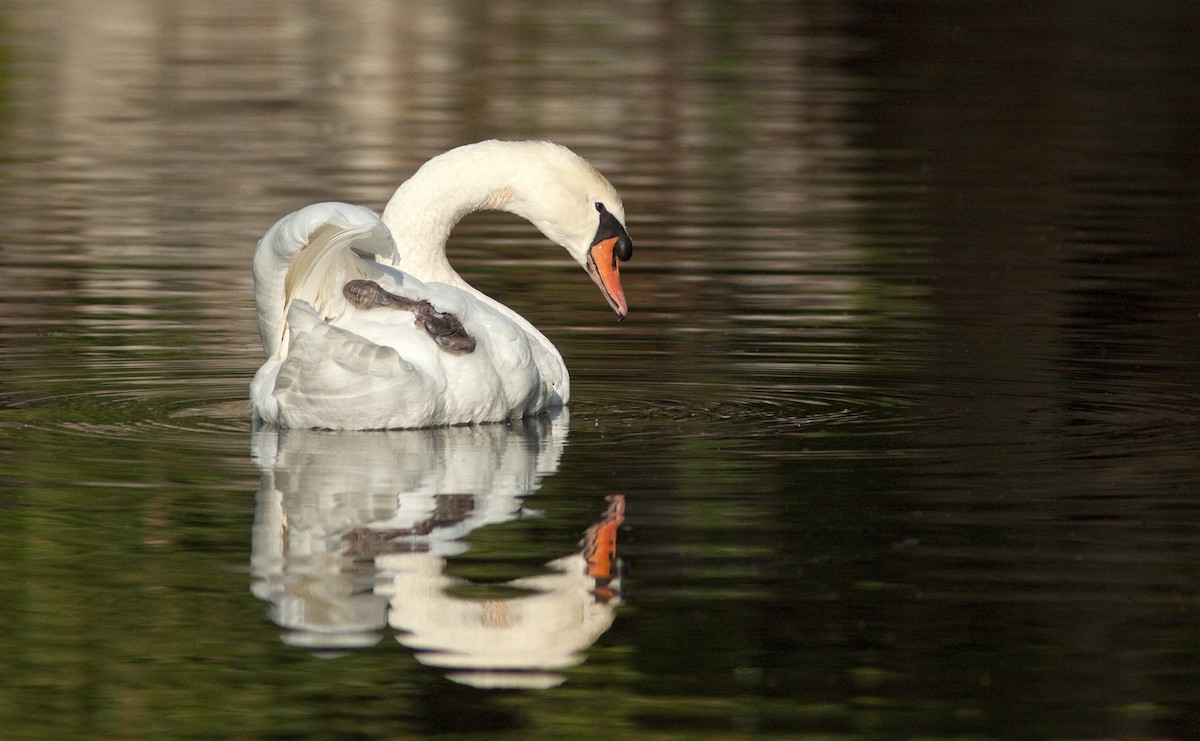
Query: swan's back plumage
{"x": 332, "y": 364}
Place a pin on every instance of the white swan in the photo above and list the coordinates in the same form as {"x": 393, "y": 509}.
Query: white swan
{"x": 337, "y": 360}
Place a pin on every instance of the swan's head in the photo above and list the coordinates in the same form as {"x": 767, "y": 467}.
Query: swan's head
{"x": 575, "y": 206}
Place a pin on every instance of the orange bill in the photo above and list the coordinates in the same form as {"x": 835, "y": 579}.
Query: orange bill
{"x": 602, "y": 266}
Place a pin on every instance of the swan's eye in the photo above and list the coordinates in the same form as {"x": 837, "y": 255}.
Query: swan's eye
{"x": 600, "y": 207}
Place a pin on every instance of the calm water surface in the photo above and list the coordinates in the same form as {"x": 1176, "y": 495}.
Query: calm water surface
{"x": 900, "y": 439}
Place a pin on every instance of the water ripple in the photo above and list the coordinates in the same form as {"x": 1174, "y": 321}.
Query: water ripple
{"x": 146, "y": 407}
{"x": 749, "y": 412}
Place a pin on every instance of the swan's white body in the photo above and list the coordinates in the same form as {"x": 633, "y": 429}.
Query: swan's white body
{"x": 330, "y": 364}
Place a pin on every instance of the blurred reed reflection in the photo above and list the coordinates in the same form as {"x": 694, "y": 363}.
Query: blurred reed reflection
{"x": 353, "y": 531}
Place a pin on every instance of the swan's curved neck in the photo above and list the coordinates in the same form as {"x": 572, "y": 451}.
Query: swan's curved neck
{"x": 426, "y": 207}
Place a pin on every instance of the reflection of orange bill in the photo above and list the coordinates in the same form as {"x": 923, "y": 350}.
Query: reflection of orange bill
{"x": 600, "y": 543}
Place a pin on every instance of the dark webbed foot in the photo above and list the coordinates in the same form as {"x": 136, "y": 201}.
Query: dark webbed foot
{"x": 442, "y": 326}
{"x": 445, "y": 328}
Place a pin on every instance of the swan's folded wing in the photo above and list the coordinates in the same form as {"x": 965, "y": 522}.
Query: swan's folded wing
{"x": 309, "y": 255}
{"x": 334, "y": 378}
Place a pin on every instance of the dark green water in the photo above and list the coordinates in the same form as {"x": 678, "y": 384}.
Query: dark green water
{"x": 905, "y": 417}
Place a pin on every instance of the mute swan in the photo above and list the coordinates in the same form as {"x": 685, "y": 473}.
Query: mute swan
{"x": 365, "y": 325}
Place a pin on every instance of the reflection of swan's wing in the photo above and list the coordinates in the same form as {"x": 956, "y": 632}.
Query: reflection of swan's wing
{"x": 296, "y": 557}
{"x": 291, "y": 574}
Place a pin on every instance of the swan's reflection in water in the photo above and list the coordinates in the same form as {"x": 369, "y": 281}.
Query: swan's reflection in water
{"x": 353, "y": 529}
